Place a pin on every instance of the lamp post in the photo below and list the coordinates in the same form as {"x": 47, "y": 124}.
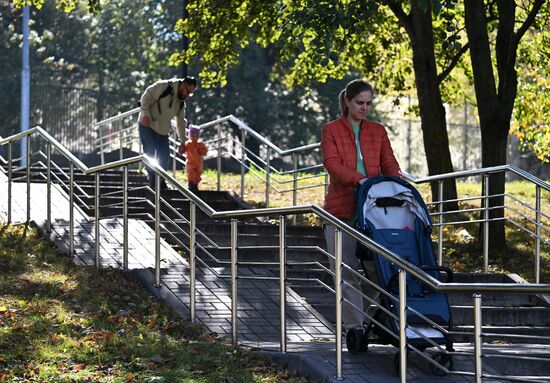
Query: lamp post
{"x": 184, "y": 42}
{"x": 25, "y": 84}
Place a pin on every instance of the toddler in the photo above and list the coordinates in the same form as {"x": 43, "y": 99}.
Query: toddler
{"x": 195, "y": 150}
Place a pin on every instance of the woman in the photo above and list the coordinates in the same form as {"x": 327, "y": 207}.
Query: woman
{"x": 353, "y": 149}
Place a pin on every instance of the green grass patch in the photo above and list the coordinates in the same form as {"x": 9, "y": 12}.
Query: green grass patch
{"x": 63, "y": 323}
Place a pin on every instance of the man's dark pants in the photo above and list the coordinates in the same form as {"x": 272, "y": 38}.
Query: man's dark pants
{"x": 155, "y": 146}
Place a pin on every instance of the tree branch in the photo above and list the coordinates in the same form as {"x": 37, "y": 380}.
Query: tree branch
{"x": 526, "y": 24}
{"x": 454, "y": 61}
{"x": 404, "y": 19}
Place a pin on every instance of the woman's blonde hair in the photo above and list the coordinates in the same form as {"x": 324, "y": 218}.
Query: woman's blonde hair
{"x": 352, "y": 89}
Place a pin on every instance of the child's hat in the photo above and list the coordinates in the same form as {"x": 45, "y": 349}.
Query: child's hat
{"x": 193, "y": 129}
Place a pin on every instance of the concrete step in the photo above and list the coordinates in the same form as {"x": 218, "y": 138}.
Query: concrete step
{"x": 262, "y": 229}
{"x": 110, "y": 177}
{"x": 488, "y": 299}
{"x": 503, "y": 316}
{"x": 532, "y": 360}
{"x": 252, "y": 239}
{"x": 485, "y": 277}
{"x": 506, "y": 334}
{"x": 262, "y": 255}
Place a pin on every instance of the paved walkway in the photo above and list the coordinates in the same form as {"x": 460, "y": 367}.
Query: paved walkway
{"x": 310, "y": 338}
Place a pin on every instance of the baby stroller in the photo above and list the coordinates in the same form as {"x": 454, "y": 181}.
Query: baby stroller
{"x": 392, "y": 213}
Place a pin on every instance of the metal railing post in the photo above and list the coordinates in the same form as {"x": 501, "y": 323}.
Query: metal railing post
{"x": 219, "y": 159}
{"x": 157, "y": 230}
{"x": 175, "y": 154}
{"x": 192, "y": 259}
{"x": 402, "y": 326}
{"x": 71, "y": 209}
{"x": 10, "y": 177}
{"x": 282, "y": 279}
{"x": 120, "y": 143}
{"x": 101, "y": 151}
{"x": 486, "y": 224}
{"x": 295, "y": 184}
{"x": 440, "y": 229}
{"x": 243, "y": 159}
{"x": 125, "y": 218}
{"x": 234, "y": 303}
{"x": 477, "y": 339}
{"x": 97, "y": 227}
{"x": 267, "y": 172}
{"x": 338, "y": 293}
{"x": 49, "y": 187}
{"x": 28, "y": 156}
{"x": 537, "y": 233}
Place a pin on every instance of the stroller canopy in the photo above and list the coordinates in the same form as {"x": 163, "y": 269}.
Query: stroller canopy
{"x": 390, "y": 192}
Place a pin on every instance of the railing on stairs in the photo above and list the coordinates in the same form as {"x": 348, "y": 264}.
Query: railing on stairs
{"x": 536, "y": 222}
{"x": 44, "y": 170}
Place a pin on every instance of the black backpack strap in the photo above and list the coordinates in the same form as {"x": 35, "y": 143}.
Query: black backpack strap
{"x": 167, "y": 92}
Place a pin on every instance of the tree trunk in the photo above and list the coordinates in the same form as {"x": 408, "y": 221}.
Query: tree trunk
{"x": 495, "y": 104}
{"x": 432, "y": 112}
{"x": 494, "y": 146}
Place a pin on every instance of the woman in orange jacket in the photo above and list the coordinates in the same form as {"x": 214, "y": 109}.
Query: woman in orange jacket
{"x": 195, "y": 150}
{"x": 353, "y": 149}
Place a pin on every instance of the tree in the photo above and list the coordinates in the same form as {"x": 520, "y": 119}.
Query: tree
{"x": 321, "y": 39}
{"x": 495, "y": 83}
{"x": 318, "y": 40}
{"x": 532, "y": 109}
{"x": 9, "y": 46}
{"x": 113, "y": 55}
{"x": 117, "y": 52}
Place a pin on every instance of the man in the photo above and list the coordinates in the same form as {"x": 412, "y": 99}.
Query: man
{"x": 161, "y": 102}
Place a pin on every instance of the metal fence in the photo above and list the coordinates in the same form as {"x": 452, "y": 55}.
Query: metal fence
{"x": 67, "y": 113}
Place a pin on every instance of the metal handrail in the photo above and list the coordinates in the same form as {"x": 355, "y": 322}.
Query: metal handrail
{"x": 478, "y": 172}
{"x": 234, "y": 120}
{"x": 282, "y": 212}
{"x": 407, "y": 176}
{"x": 302, "y": 209}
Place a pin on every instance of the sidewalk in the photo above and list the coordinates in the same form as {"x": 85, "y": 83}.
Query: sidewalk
{"x": 310, "y": 338}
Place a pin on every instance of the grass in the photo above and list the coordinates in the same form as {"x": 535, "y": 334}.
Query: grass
{"x": 63, "y": 323}
{"x": 462, "y": 251}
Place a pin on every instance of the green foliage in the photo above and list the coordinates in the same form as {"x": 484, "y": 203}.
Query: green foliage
{"x": 532, "y": 111}
{"x": 63, "y": 323}
{"x": 93, "y": 6}
{"x": 306, "y": 42}
{"x": 115, "y": 54}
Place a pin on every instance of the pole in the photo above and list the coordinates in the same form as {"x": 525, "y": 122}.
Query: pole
{"x": 478, "y": 329}
{"x": 338, "y": 298}
{"x": 234, "y": 302}
{"x": 282, "y": 280}
{"x": 402, "y": 326}
{"x": 25, "y": 83}
{"x": 184, "y": 41}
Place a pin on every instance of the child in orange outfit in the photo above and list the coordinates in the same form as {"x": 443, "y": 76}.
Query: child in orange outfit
{"x": 195, "y": 150}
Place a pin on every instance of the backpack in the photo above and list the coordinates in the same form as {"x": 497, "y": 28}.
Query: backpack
{"x": 165, "y": 93}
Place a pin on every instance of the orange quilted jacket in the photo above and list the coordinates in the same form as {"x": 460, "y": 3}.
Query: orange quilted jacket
{"x": 340, "y": 161}
{"x": 195, "y": 151}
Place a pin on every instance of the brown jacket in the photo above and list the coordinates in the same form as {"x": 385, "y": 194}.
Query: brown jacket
{"x": 340, "y": 161}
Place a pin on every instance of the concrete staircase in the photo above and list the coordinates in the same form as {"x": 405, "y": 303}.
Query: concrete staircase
{"x": 502, "y": 314}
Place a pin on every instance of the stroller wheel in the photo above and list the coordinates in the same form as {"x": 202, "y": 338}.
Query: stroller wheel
{"x": 354, "y": 341}
{"x": 443, "y": 359}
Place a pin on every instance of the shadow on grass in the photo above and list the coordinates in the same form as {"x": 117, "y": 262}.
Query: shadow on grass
{"x": 80, "y": 324}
